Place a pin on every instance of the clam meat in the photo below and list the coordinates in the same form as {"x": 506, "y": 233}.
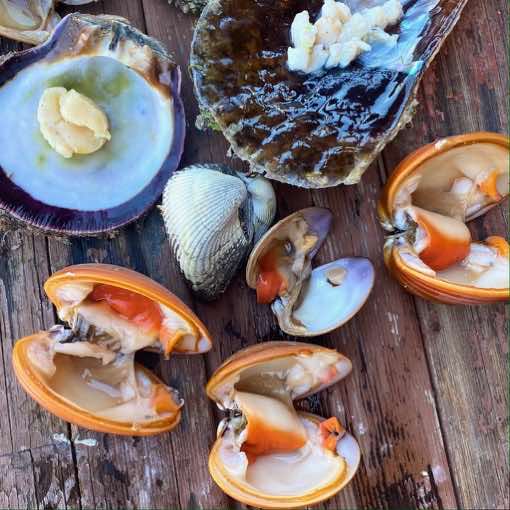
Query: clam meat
{"x": 426, "y": 204}
{"x": 86, "y": 372}
{"x": 315, "y": 129}
{"x": 268, "y": 454}
{"x": 307, "y": 302}
{"x": 213, "y": 216}
{"x": 80, "y": 112}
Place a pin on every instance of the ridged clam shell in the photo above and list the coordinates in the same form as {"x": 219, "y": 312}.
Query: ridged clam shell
{"x": 213, "y": 215}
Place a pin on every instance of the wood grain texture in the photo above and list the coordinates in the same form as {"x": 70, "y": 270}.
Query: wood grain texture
{"x": 427, "y": 397}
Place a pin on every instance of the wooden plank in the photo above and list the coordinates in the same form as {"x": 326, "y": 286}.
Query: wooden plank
{"x": 465, "y": 90}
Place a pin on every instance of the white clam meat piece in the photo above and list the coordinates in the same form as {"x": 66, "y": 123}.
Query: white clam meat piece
{"x": 328, "y": 31}
{"x": 343, "y": 53}
{"x": 335, "y": 10}
{"x": 85, "y": 350}
{"x": 318, "y": 59}
{"x": 303, "y": 33}
{"x": 298, "y": 59}
{"x": 496, "y": 276}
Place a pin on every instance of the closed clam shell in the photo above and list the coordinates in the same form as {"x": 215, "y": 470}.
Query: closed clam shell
{"x": 473, "y": 151}
{"x": 213, "y": 215}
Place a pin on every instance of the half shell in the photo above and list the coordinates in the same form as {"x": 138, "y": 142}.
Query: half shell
{"x": 307, "y": 302}
{"x": 87, "y": 374}
{"x": 213, "y": 215}
{"x": 425, "y": 203}
{"x": 257, "y": 386}
{"x": 135, "y": 82}
{"x": 313, "y": 130}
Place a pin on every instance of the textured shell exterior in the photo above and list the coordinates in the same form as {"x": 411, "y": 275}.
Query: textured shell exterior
{"x": 347, "y": 447}
{"x": 261, "y": 353}
{"x": 313, "y": 130}
{"x": 126, "y": 279}
{"x": 319, "y": 220}
{"x": 67, "y": 411}
{"x": 436, "y": 290}
{"x": 212, "y": 216}
{"x": 81, "y": 35}
{"x": 412, "y": 162}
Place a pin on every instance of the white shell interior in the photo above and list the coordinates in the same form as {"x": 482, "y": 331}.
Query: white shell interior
{"x": 325, "y": 306}
{"x": 141, "y": 124}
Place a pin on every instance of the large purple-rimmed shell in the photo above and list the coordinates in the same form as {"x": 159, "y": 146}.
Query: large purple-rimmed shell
{"x": 314, "y": 130}
{"x": 83, "y": 36}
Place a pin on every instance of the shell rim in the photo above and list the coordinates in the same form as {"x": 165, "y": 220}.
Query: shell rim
{"x": 441, "y": 288}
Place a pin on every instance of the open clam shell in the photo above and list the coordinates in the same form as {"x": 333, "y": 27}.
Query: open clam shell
{"x": 313, "y": 130}
{"x": 294, "y": 465}
{"x": 86, "y": 373}
{"x": 213, "y": 215}
{"x": 332, "y": 295}
{"x": 133, "y": 79}
{"x": 425, "y": 204}
{"x": 307, "y": 302}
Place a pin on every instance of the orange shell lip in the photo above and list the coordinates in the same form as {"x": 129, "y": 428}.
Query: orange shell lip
{"x": 416, "y": 282}
{"x": 126, "y": 279}
{"x": 439, "y": 290}
{"x": 61, "y": 407}
{"x": 71, "y": 413}
{"x": 409, "y": 164}
{"x": 261, "y": 353}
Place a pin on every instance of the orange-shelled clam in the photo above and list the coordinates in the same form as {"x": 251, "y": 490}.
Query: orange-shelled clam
{"x": 267, "y": 454}
{"x": 86, "y": 373}
{"x": 426, "y": 204}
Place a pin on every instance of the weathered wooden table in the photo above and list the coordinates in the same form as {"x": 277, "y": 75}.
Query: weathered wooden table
{"x": 427, "y": 399}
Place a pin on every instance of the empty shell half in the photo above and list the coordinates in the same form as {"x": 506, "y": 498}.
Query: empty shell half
{"x": 307, "y": 302}
{"x": 267, "y": 454}
{"x": 426, "y": 204}
{"x": 86, "y": 373}
{"x": 213, "y": 216}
